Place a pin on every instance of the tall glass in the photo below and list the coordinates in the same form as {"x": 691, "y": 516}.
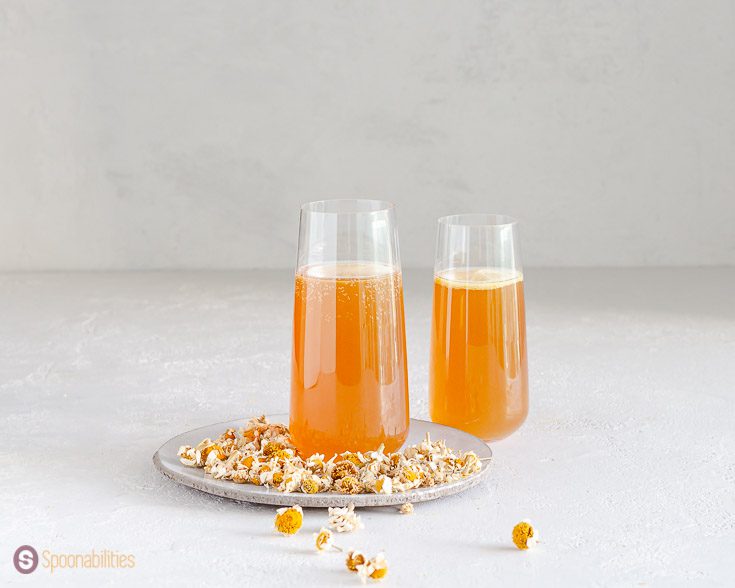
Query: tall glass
{"x": 349, "y": 386}
{"x": 478, "y": 379}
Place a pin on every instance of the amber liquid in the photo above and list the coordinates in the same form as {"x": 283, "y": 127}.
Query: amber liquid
{"x": 349, "y": 387}
{"x": 478, "y": 377}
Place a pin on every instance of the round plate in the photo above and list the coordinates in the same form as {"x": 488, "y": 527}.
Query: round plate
{"x": 167, "y": 462}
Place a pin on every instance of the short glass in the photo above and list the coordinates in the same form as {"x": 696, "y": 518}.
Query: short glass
{"x": 349, "y": 384}
{"x": 478, "y": 379}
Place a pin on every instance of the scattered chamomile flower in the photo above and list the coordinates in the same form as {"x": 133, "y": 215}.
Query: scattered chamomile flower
{"x": 524, "y": 535}
{"x": 375, "y": 568}
{"x": 344, "y": 520}
{"x": 354, "y": 559}
{"x": 289, "y": 520}
{"x": 323, "y": 540}
{"x": 380, "y": 567}
{"x": 406, "y": 508}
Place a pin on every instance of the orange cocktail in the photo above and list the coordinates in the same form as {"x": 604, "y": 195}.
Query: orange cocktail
{"x": 348, "y": 383}
{"x": 479, "y": 366}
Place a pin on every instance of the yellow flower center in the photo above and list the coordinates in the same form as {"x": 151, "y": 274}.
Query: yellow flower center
{"x": 521, "y": 534}
{"x": 322, "y": 539}
{"x": 354, "y": 560}
{"x": 379, "y": 573}
{"x": 272, "y": 447}
{"x": 289, "y": 521}
{"x": 349, "y": 485}
{"x": 207, "y": 450}
{"x": 410, "y": 475}
{"x": 309, "y": 486}
{"x": 352, "y": 458}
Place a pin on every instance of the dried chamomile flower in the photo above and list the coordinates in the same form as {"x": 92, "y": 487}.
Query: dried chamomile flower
{"x": 212, "y": 453}
{"x": 240, "y": 477}
{"x": 344, "y": 520}
{"x": 379, "y": 454}
{"x": 323, "y": 540}
{"x": 289, "y": 520}
{"x": 273, "y": 447}
{"x": 189, "y": 456}
{"x": 247, "y": 462}
{"x": 406, "y": 508}
{"x": 524, "y": 535}
{"x": 316, "y": 462}
{"x": 348, "y": 485}
{"x": 218, "y": 470}
{"x": 368, "y": 479}
{"x": 470, "y": 463}
{"x": 354, "y": 559}
{"x": 383, "y": 485}
{"x": 409, "y": 475}
{"x": 290, "y": 482}
{"x": 272, "y": 477}
{"x": 310, "y": 484}
{"x": 375, "y": 568}
{"x": 343, "y": 469}
{"x": 357, "y": 459}
{"x": 283, "y": 455}
{"x": 256, "y": 422}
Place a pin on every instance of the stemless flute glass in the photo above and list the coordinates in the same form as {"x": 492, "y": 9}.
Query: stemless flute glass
{"x": 478, "y": 377}
{"x": 349, "y": 386}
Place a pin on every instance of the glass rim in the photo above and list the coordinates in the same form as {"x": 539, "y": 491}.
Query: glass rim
{"x": 478, "y": 219}
{"x": 347, "y": 206}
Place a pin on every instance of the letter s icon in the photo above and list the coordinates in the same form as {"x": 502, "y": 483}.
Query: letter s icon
{"x": 25, "y": 559}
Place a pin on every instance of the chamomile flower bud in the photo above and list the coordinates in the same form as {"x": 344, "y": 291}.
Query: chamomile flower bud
{"x": 524, "y": 535}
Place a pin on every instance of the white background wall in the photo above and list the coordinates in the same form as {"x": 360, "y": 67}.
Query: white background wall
{"x": 140, "y": 134}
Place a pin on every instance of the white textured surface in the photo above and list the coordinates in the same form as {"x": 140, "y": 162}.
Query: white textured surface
{"x": 626, "y": 462}
{"x": 184, "y": 134}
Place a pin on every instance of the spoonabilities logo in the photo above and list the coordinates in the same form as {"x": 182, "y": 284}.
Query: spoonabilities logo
{"x": 25, "y": 559}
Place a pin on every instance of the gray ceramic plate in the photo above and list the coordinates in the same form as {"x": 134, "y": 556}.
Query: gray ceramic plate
{"x": 168, "y": 464}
